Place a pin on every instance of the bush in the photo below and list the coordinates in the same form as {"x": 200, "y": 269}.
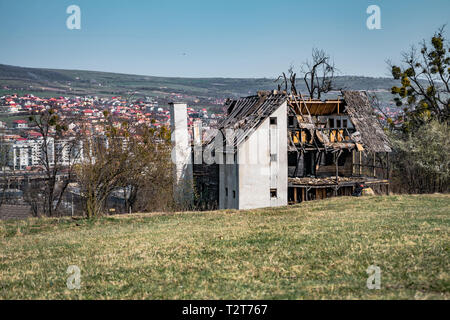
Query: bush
{"x": 421, "y": 162}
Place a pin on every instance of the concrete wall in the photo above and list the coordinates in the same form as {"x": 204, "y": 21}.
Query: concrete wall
{"x": 257, "y": 173}
{"x": 229, "y": 180}
{"x": 181, "y": 154}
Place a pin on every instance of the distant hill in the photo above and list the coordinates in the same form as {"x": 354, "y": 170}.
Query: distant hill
{"x": 51, "y": 82}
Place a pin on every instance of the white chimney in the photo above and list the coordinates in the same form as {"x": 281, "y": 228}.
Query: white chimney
{"x": 197, "y": 135}
{"x": 181, "y": 155}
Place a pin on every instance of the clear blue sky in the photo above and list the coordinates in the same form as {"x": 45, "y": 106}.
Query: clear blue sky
{"x": 223, "y": 38}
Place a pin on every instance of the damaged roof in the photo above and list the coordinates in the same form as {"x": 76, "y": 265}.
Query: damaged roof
{"x": 246, "y": 114}
{"x": 372, "y": 135}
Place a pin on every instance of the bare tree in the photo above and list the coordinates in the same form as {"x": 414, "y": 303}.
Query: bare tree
{"x": 284, "y": 80}
{"x": 32, "y": 195}
{"x": 54, "y": 145}
{"x": 378, "y": 106}
{"x": 151, "y": 183}
{"x": 130, "y": 158}
{"x": 319, "y": 73}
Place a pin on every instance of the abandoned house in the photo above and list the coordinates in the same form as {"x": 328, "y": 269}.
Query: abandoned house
{"x": 275, "y": 149}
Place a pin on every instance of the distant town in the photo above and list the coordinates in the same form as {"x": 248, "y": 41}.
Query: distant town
{"x": 24, "y": 142}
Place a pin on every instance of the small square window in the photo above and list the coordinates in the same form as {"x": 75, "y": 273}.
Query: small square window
{"x": 291, "y": 121}
{"x": 273, "y": 157}
{"x": 292, "y": 158}
{"x": 273, "y": 120}
{"x": 331, "y": 123}
{"x": 273, "y": 193}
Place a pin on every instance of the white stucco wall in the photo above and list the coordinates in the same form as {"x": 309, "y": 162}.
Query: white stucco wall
{"x": 181, "y": 153}
{"x": 257, "y": 173}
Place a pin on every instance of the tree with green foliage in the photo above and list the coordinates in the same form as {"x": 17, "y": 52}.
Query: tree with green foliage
{"x": 421, "y": 162}
{"x": 424, "y": 78}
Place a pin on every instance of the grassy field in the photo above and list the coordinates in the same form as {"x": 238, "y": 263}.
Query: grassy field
{"x": 315, "y": 250}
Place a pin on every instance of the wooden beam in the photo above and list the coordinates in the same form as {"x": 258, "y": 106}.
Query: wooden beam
{"x": 374, "y": 162}
{"x": 360, "y": 163}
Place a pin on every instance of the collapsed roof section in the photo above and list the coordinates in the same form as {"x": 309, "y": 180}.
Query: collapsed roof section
{"x": 245, "y": 115}
{"x": 372, "y": 135}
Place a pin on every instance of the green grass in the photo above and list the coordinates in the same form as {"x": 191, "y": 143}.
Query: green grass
{"x": 315, "y": 250}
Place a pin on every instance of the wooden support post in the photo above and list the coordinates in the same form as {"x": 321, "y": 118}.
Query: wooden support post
{"x": 337, "y": 170}
{"x": 295, "y": 194}
{"x": 374, "y": 162}
{"x": 303, "y": 194}
{"x": 360, "y": 163}
{"x": 353, "y": 161}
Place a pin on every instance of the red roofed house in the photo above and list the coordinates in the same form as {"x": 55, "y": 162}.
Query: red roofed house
{"x": 18, "y": 124}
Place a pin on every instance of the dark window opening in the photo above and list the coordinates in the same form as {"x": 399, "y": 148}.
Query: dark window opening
{"x": 273, "y": 193}
{"x": 291, "y": 121}
{"x": 273, "y": 120}
{"x": 329, "y": 159}
{"x": 292, "y": 159}
{"x": 344, "y": 123}
{"x": 308, "y": 135}
{"x": 234, "y": 194}
{"x": 273, "y": 157}
{"x": 338, "y": 123}
{"x": 226, "y": 192}
{"x": 309, "y": 164}
{"x": 331, "y": 123}
{"x": 343, "y": 157}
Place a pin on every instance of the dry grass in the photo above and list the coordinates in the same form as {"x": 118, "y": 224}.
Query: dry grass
{"x": 316, "y": 250}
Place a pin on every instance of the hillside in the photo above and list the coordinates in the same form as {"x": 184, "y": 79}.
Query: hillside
{"x": 51, "y": 82}
{"x": 315, "y": 250}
